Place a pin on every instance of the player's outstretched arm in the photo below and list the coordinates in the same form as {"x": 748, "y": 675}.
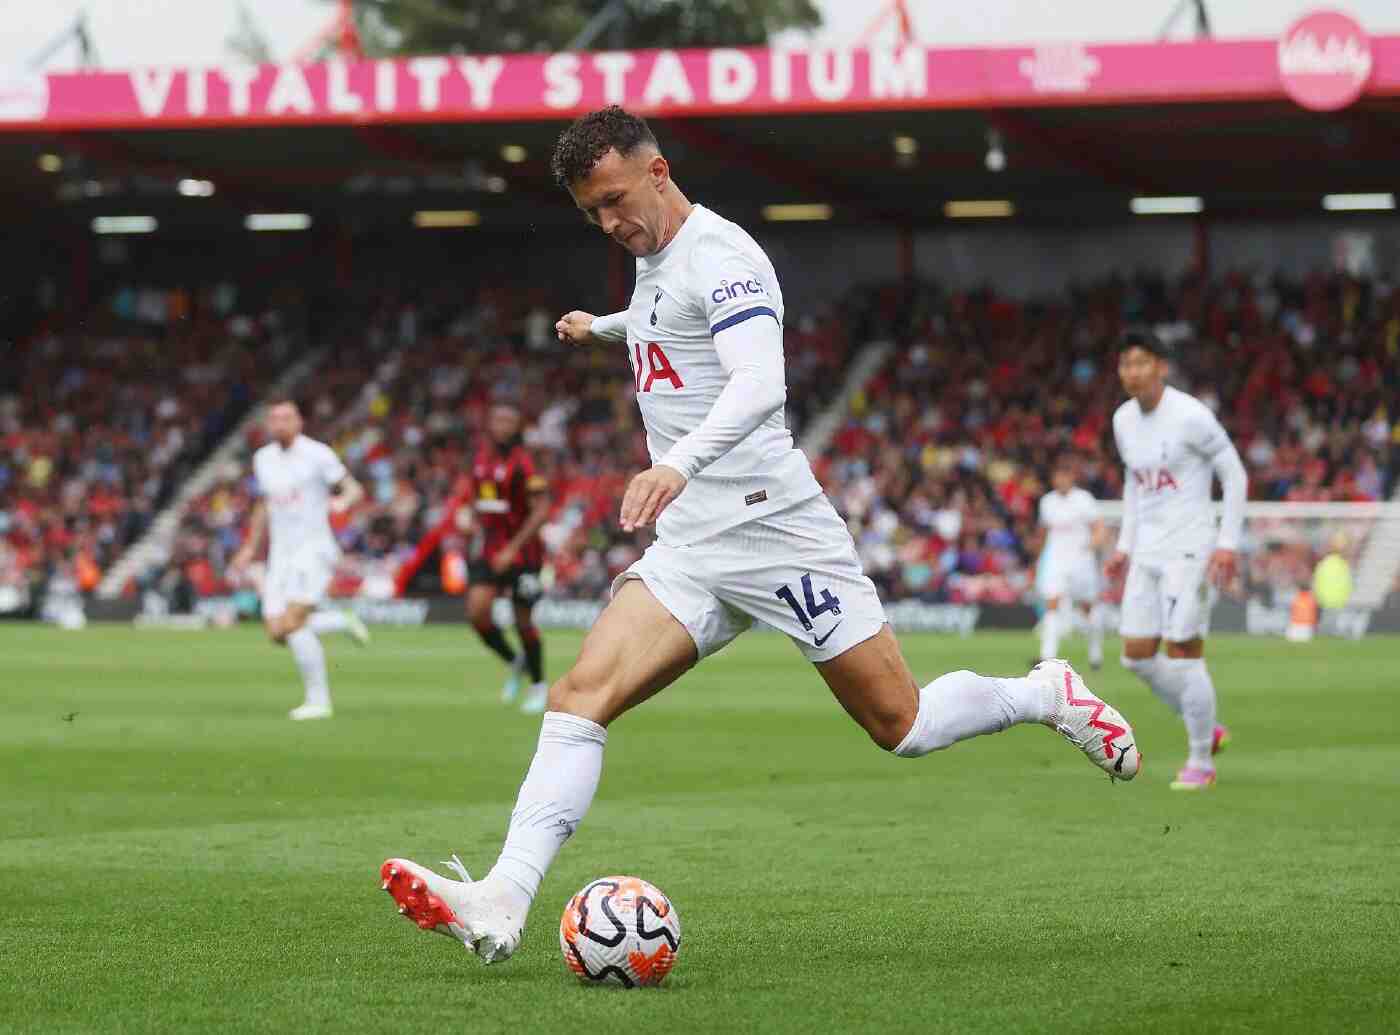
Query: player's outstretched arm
{"x": 580, "y": 328}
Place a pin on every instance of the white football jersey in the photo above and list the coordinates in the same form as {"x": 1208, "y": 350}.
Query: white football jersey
{"x": 297, "y": 482}
{"x": 1069, "y": 521}
{"x": 1168, "y": 454}
{"x": 711, "y": 276}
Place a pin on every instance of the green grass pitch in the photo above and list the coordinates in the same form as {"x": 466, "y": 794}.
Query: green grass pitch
{"x": 176, "y": 856}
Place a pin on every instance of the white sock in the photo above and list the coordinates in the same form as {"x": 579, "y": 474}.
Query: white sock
{"x": 1049, "y": 634}
{"x": 553, "y": 799}
{"x": 322, "y": 622}
{"x": 963, "y": 704}
{"x": 1161, "y": 680}
{"x": 1197, "y": 708}
{"x": 1096, "y": 634}
{"x": 311, "y": 660}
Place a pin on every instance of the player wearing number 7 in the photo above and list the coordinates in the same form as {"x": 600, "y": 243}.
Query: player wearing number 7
{"x": 743, "y": 533}
{"x": 1172, "y": 447}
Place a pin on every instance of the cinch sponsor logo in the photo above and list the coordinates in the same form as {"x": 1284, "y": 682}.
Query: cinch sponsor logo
{"x": 726, "y": 290}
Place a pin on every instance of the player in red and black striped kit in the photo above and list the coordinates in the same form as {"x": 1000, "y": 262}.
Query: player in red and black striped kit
{"x": 509, "y": 504}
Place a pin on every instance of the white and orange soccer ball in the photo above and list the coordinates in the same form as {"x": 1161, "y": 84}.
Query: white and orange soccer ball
{"x": 621, "y": 930}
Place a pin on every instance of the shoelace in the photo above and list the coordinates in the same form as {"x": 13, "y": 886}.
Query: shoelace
{"x": 458, "y": 867}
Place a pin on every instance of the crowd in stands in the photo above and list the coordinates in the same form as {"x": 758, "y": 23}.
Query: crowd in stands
{"x": 105, "y": 412}
{"x": 942, "y": 460}
{"x": 938, "y": 465}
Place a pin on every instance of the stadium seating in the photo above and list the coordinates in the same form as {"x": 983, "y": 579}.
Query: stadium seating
{"x": 938, "y": 465}
{"x": 109, "y": 410}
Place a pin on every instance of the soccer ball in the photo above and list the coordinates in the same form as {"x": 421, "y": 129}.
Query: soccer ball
{"x": 621, "y": 930}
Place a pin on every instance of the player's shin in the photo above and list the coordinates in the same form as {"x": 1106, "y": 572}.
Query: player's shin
{"x": 1096, "y": 635}
{"x": 553, "y": 800}
{"x": 1197, "y": 708}
{"x": 534, "y": 652}
{"x": 322, "y": 622}
{"x": 963, "y": 704}
{"x": 494, "y": 638}
{"x": 1159, "y": 677}
{"x": 311, "y": 661}
{"x": 1049, "y": 633}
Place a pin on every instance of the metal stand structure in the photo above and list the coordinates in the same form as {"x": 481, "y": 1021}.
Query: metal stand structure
{"x": 1202, "y": 19}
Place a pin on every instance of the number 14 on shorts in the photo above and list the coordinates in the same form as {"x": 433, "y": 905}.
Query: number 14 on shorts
{"x": 815, "y": 608}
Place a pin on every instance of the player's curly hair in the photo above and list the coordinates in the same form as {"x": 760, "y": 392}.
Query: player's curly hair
{"x": 581, "y": 146}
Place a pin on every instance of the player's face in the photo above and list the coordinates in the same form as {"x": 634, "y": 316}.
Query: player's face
{"x": 503, "y": 424}
{"x": 1142, "y": 373}
{"x": 623, "y": 198}
{"x": 284, "y": 423}
{"x": 1062, "y": 479}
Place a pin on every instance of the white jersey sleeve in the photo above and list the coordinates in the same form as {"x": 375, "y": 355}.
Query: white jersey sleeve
{"x": 328, "y": 466}
{"x": 612, "y": 327}
{"x": 1211, "y": 441}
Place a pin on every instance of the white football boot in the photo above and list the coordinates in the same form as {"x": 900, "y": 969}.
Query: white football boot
{"x": 308, "y": 712}
{"x": 479, "y": 916}
{"x": 1090, "y": 724}
{"x": 536, "y": 699}
{"x": 356, "y": 629}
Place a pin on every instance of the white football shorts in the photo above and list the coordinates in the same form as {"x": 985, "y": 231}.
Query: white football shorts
{"x": 1076, "y": 578}
{"x": 795, "y": 570}
{"x": 301, "y": 579}
{"x": 1167, "y": 598}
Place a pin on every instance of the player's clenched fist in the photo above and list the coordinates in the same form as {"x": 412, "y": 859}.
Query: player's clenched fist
{"x": 648, "y": 495}
{"x": 575, "y": 328}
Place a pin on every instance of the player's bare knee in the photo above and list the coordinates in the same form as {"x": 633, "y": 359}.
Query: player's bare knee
{"x": 589, "y": 695}
{"x": 1140, "y": 650}
{"x": 1185, "y": 649}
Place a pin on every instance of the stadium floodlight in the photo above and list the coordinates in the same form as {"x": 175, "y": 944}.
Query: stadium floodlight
{"x": 995, "y": 159}
{"x": 50, "y": 163}
{"x": 443, "y": 218}
{"x": 1358, "y": 202}
{"x": 514, "y": 153}
{"x": 124, "y": 224}
{"x": 1169, "y": 206}
{"x": 195, "y": 188}
{"x": 277, "y": 221}
{"x": 990, "y": 209}
{"x": 796, "y": 213}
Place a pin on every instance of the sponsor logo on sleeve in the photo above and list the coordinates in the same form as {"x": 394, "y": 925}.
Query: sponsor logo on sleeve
{"x": 731, "y": 289}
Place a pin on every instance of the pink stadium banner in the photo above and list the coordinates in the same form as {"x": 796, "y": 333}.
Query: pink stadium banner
{"x": 1320, "y": 62}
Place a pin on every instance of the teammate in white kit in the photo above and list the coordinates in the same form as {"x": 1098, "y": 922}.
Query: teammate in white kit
{"x": 1172, "y": 447}
{"x": 743, "y": 533}
{"x": 1069, "y": 569}
{"x": 302, "y": 482}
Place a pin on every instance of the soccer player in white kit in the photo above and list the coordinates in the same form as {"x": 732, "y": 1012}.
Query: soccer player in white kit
{"x": 1069, "y": 572}
{"x": 743, "y": 533}
{"x": 1172, "y": 447}
{"x": 302, "y": 482}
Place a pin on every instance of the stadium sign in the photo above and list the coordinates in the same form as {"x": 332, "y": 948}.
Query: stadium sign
{"x": 1315, "y": 57}
{"x": 1325, "y": 61}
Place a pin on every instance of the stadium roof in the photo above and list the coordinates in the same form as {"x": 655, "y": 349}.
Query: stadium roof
{"x": 876, "y": 135}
